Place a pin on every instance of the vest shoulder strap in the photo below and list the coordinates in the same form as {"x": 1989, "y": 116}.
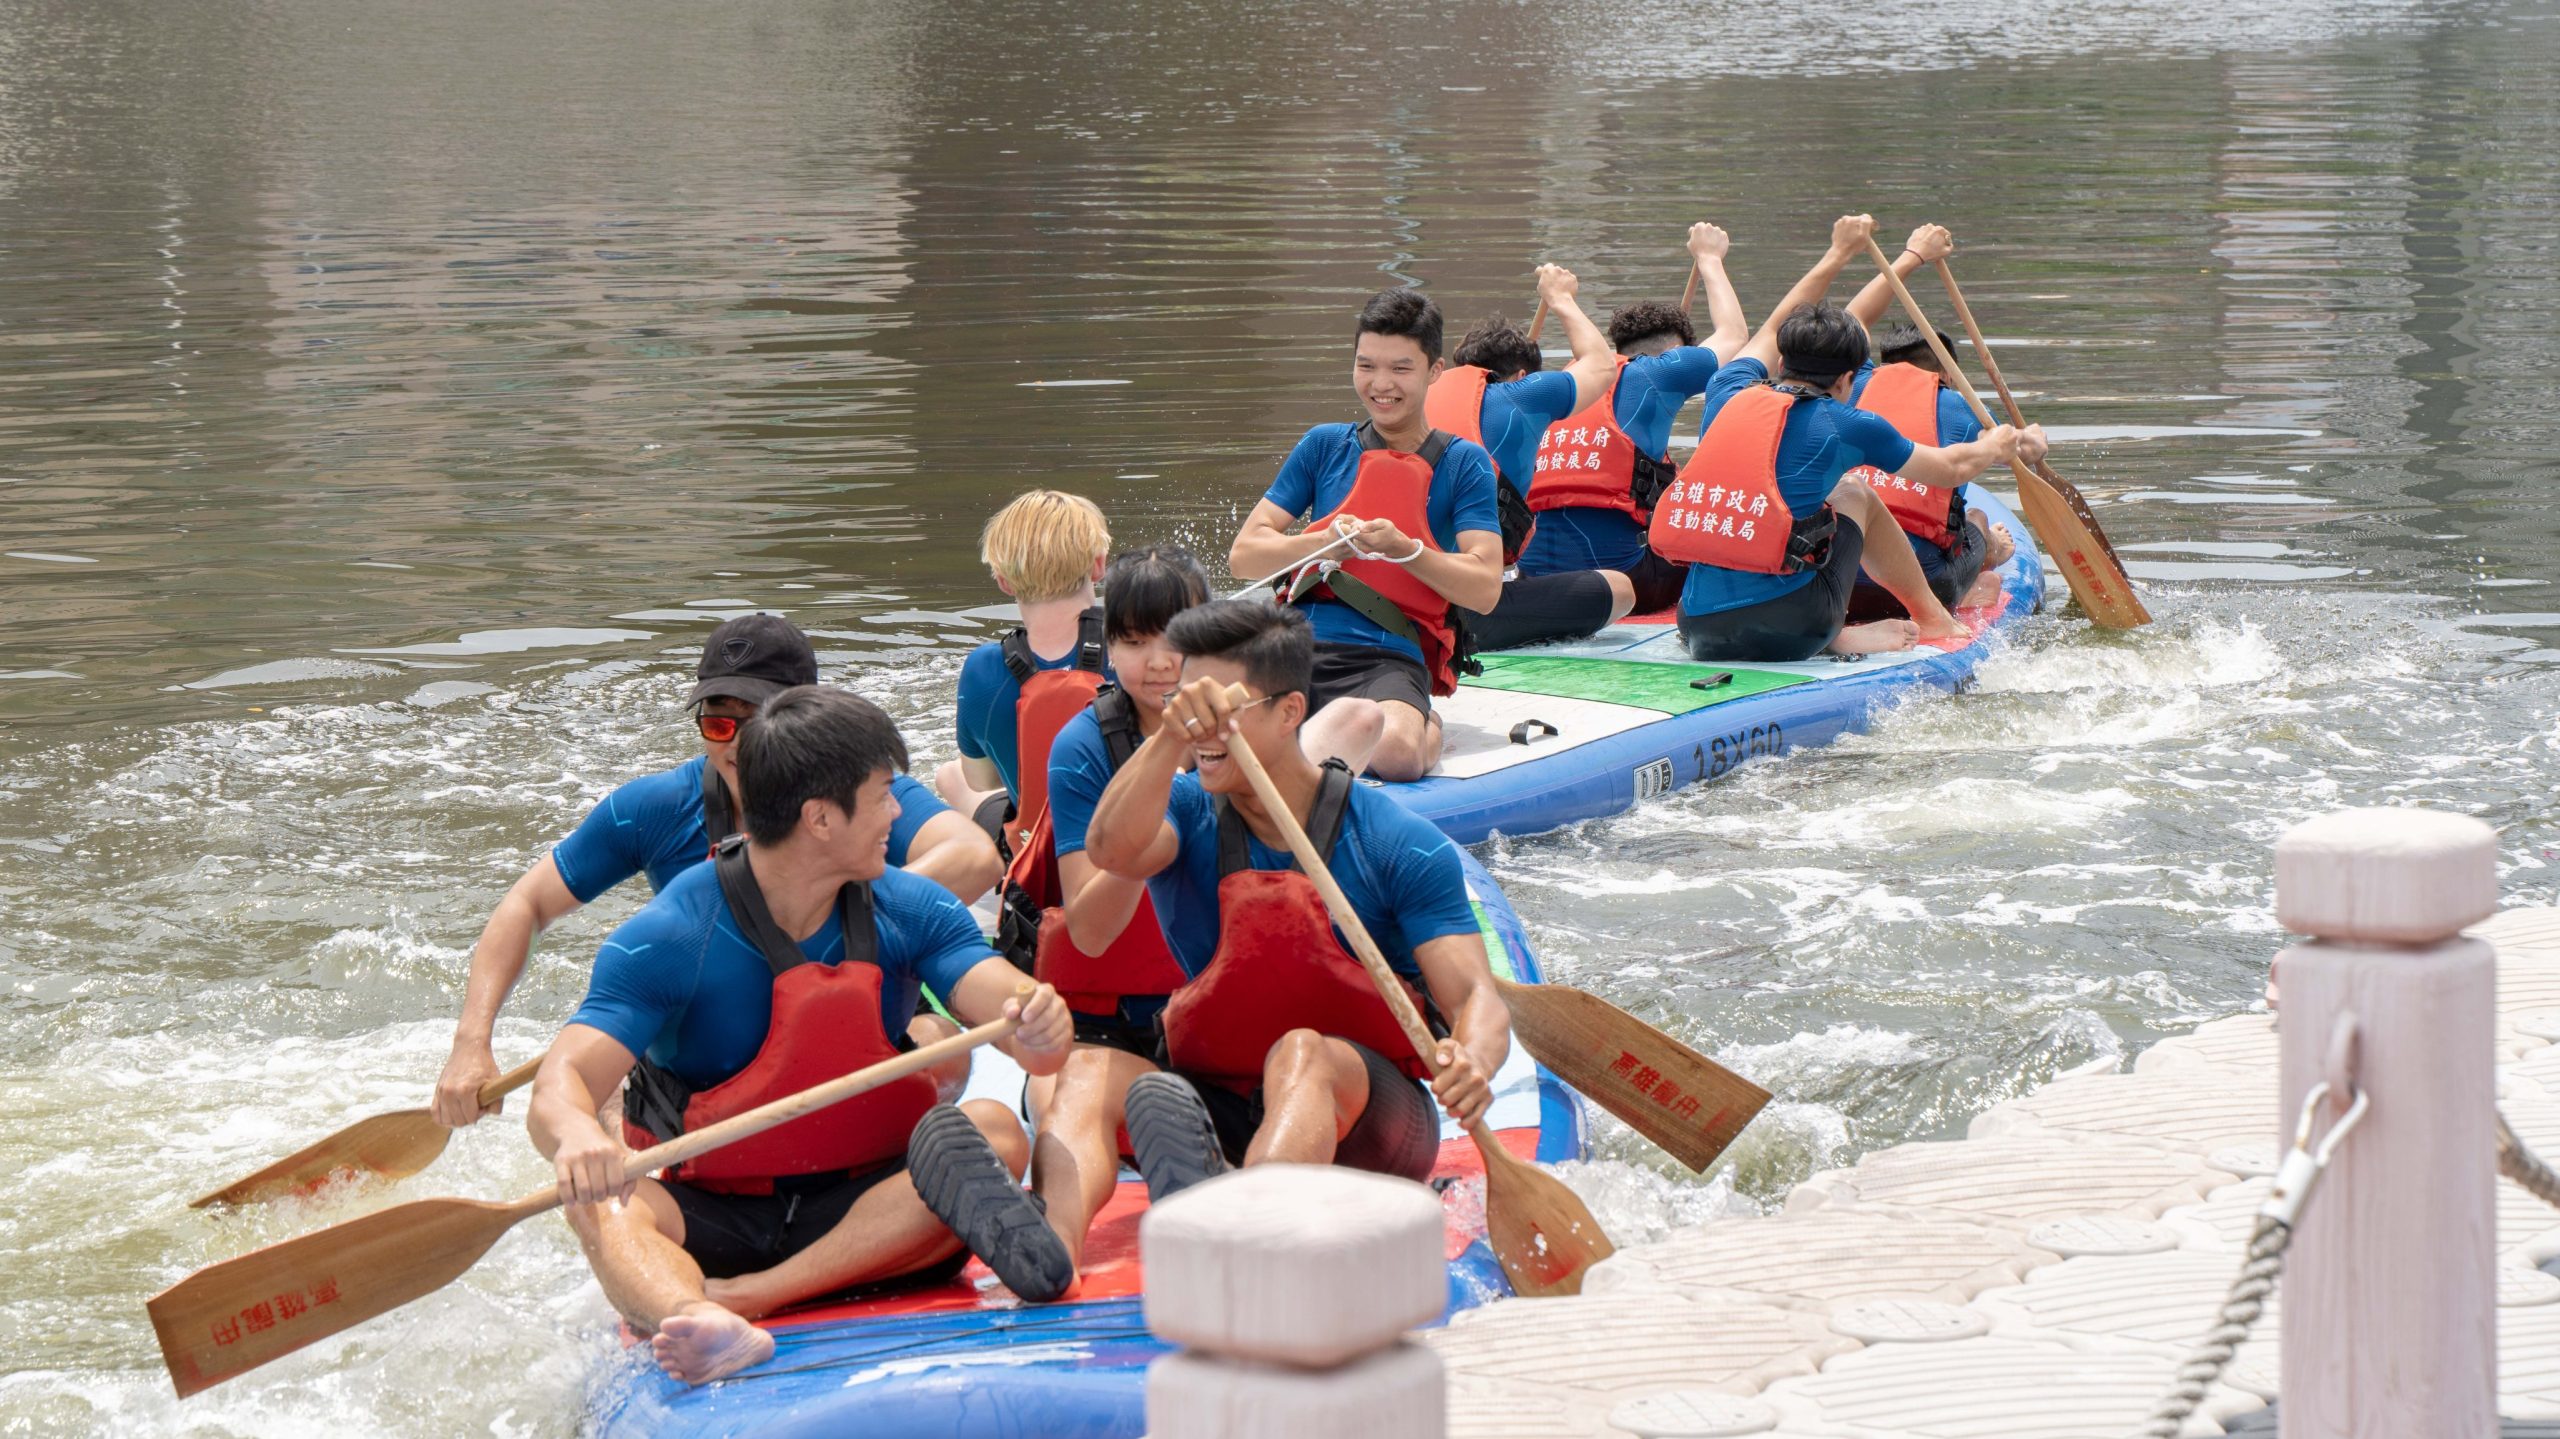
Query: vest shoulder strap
{"x": 1350, "y": 589}
{"x": 1116, "y": 714}
{"x": 1022, "y": 664}
{"x": 1324, "y": 820}
{"x": 746, "y": 905}
{"x": 1434, "y": 445}
{"x": 719, "y": 820}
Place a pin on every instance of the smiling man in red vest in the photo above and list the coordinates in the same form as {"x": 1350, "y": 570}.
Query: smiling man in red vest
{"x": 1281, "y": 1048}
{"x": 795, "y": 956}
{"x": 1424, "y": 534}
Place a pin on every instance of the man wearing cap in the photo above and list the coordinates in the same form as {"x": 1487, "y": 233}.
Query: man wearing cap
{"x": 663, "y": 824}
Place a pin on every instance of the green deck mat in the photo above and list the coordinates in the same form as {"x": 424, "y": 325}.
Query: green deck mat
{"x": 1644, "y": 684}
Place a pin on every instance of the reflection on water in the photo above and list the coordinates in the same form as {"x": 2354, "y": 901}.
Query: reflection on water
{"x": 392, "y": 406}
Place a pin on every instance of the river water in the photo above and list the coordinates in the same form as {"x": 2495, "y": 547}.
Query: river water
{"x": 395, "y": 394}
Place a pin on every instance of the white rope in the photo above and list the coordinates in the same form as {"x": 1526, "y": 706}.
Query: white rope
{"x": 1343, "y": 529}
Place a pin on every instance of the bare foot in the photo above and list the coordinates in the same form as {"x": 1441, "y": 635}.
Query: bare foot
{"x": 707, "y": 1342}
{"x": 1949, "y": 628}
{"x": 1985, "y": 591}
{"x": 1876, "y": 637}
{"x": 2003, "y": 545}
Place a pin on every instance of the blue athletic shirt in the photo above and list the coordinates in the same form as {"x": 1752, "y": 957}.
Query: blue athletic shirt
{"x": 1651, "y": 390}
{"x": 1399, "y": 871}
{"x": 1824, "y": 439}
{"x": 988, "y": 693}
{"x": 1956, "y": 424}
{"x": 1515, "y": 416}
{"x": 682, "y": 986}
{"x": 653, "y": 826}
{"x": 1316, "y": 478}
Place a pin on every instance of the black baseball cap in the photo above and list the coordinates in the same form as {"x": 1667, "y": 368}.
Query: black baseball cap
{"x": 754, "y": 658}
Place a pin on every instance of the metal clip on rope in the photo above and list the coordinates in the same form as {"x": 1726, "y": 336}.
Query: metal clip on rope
{"x": 2303, "y": 1165}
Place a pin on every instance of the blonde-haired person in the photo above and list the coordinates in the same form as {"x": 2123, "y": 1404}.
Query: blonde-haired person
{"x": 1046, "y": 549}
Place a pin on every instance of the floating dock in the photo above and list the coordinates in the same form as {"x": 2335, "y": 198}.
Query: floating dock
{"x": 2042, "y": 1278}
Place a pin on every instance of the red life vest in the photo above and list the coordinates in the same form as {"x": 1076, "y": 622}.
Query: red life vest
{"x": 1392, "y": 485}
{"x": 1279, "y": 966}
{"x": 825, "y": 1024}
{"x": 1726, "y": 509}
{"x": 1044, "y": 700}
{"x": 1032, "y": 929}
{"x": 1455, "y": 403}
{"x": 1585, "y": 462}
{"x": 1907, "y": 396}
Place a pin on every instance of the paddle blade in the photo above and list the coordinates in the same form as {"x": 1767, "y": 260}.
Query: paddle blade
{"x": 1666, "y": 1091}
{"x": 393, "y": 1146}
{"x": 1541, "y": 1231}
{"x": 2063, "y": 525}
{"x": 228, "y": 1318}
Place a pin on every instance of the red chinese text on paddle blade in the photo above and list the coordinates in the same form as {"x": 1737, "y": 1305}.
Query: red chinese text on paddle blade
{"x": 229, "y": 1318}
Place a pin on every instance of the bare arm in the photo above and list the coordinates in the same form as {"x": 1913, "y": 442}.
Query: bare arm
{"x": 1950, "y": 466}
{"x": 1848, "y": 240}
{"x": 953, "y": 852}
{"x": 1099, "y": 904}
{"x": 583, "y": 1066}
{"x": 1928, "y": 244}
{"x": 1265, "y": 544}
{"x": 1594, "y": 363}
{"x": 1470, "y": 576}
{"x": 990, "y": 991}
{"x": 1708, "y": 245}
{"x": 506, "y": 943}
{"x": 1461, "y": 984}
{"x": 1130, "y": 836}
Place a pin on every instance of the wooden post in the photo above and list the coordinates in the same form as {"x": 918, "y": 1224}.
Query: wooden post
{"x": 1290, "y": 1288}
{"x": 2389, "y": 1324}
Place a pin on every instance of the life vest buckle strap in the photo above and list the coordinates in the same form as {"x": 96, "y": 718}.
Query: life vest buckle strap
{"x": 747, "y": 906}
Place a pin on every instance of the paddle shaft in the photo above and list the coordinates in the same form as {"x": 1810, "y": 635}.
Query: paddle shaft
{"x": 509, "y": 1082}
{"x": 1929, "y": 332}
{"x": 1689, "y": 292}
{"x": 2009, "y": 403}
{"x": 1390, "y": 988}
{"x": 1538, "y": 321}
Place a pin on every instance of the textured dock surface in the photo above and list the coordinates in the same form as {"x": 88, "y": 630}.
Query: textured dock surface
{"x": 2039, "y": 1279}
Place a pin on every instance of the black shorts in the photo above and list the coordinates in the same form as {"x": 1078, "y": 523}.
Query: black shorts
{"x": 1367, "y": 672}
{"x": 1114, "y": 1031}
{"x": 1398, "y": 1134}
{"x": 1951, "y": 572}
{"x": 734, "y": 1234}
{"x": 1797, "y": 625}
{"x": 1536, "y": 609}
{"x": 995, "y": 816}
{"x": 1657, "y": 583}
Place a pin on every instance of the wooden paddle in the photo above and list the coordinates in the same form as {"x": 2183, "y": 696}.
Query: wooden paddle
{"x": 1541, "y": 1231}
{"x": 1689, "y": 292}
{"x": 2009, "y": 402}
{"x": 2088, "y": 564}
{"x": 1681, "y": 1100}
{"x": 229, "y": 1318}
{"x": 394, "y": 1146}
{"x": 1538, "y": 321}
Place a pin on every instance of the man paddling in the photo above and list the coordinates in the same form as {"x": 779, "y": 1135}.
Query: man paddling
{"x": 1600, "y": 469}
{"x": 663, "y": 824}
{"x": 1496, "y": 392}
{"x": 1283, "y": 1048}
{"x": 794, "y": 957}
{"x": 1428, "y": 539}
{"x": 1045, "y": 549}
{"x": 1773, "y": 532}
{"x": 1902, "y": 382}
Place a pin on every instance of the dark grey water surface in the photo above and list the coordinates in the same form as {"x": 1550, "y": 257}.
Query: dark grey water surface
{"x": 391, "y": 396}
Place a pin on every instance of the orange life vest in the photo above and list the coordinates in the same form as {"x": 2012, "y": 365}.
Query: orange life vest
{"x": 825, "y": 1024}
{"x": 1391, "y": 485}
{"x": 1725, "y": 509}
{"x": 1585, "y": 462}
{"x": 1455, "y": 403}
{"x": 1278, "y": 965}
{"x": 1031, "y": 931}
{"x": 1907, "y": 396}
